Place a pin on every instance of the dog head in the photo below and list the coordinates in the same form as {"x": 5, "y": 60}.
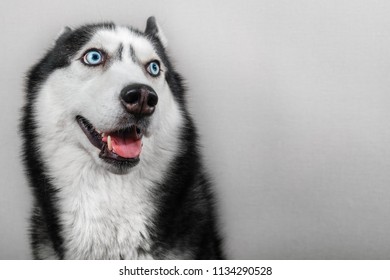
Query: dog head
{"x": 109, "y": 92}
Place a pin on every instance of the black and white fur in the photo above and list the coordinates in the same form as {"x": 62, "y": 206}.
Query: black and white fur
{"x": 87, "y": 208}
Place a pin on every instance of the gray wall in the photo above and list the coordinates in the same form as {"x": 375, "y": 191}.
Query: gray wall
{"x": 292, "y": 102}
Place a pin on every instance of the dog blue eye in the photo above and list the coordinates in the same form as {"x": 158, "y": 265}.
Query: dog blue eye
{"x": 153, "y": 68}
{"x": 93, "y": 57}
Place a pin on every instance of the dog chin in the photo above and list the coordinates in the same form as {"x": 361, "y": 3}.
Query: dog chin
{"x": 120, "y": 167}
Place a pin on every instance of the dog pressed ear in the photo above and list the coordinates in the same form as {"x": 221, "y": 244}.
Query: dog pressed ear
{"x": 152, "y": 28}
{"x": 64, "y": 32}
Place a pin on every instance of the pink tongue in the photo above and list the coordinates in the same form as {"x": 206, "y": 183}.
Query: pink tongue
{"x": 126, "y": 147}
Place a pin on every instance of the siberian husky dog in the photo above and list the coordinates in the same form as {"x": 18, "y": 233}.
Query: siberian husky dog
{"x": 111, "y": 152}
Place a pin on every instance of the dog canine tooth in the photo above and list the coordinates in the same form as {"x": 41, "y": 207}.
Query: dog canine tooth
{"x": 109, "y": 144}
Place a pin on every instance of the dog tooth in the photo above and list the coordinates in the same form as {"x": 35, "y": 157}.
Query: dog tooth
{"x": 103, "y": 134}
{"x": 109, "y": 144}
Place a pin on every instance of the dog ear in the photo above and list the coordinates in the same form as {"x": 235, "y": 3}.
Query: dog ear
{"x": 153, "y": 29}
{"x": 64, "y": 32}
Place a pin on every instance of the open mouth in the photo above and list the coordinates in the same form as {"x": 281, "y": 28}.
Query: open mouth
{"x": 121, "y": 146}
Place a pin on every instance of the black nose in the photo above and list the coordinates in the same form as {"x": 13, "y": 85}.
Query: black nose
{"x": 139, "y": 99}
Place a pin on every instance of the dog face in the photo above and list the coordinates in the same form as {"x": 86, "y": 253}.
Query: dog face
{"x": 110, "y": 92}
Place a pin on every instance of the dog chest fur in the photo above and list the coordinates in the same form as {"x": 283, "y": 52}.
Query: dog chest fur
{"x": 105, "y": 217}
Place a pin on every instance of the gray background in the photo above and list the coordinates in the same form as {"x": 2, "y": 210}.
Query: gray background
{"x": 292, "y": 102}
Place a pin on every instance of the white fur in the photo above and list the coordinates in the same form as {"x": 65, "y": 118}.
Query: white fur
{"x": 104, "y": 215}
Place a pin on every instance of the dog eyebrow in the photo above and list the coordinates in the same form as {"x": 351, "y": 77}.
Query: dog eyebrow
{"x": 132, "y": 54}
{"x": 119, "y": 52}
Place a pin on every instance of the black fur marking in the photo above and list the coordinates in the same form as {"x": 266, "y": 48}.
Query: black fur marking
{"x": 132, "y": 54}
{"x": 119, "y": 52}
{"x": 44, "y": 221}
{"x": 186, "y": 217}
